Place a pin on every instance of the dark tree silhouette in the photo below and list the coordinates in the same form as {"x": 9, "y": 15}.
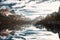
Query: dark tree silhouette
{"x": 51, "y": 22}
{"x": 9, "y": 21}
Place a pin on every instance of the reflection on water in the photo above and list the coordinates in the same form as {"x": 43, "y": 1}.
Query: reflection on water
{"x": 31, "y": 33}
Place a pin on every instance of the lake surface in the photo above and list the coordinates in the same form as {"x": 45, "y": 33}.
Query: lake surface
{"x": 32, "y": 33}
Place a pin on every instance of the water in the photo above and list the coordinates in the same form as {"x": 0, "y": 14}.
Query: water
{"x": 32, "y": 33}
{"x": 32, "y": 9}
